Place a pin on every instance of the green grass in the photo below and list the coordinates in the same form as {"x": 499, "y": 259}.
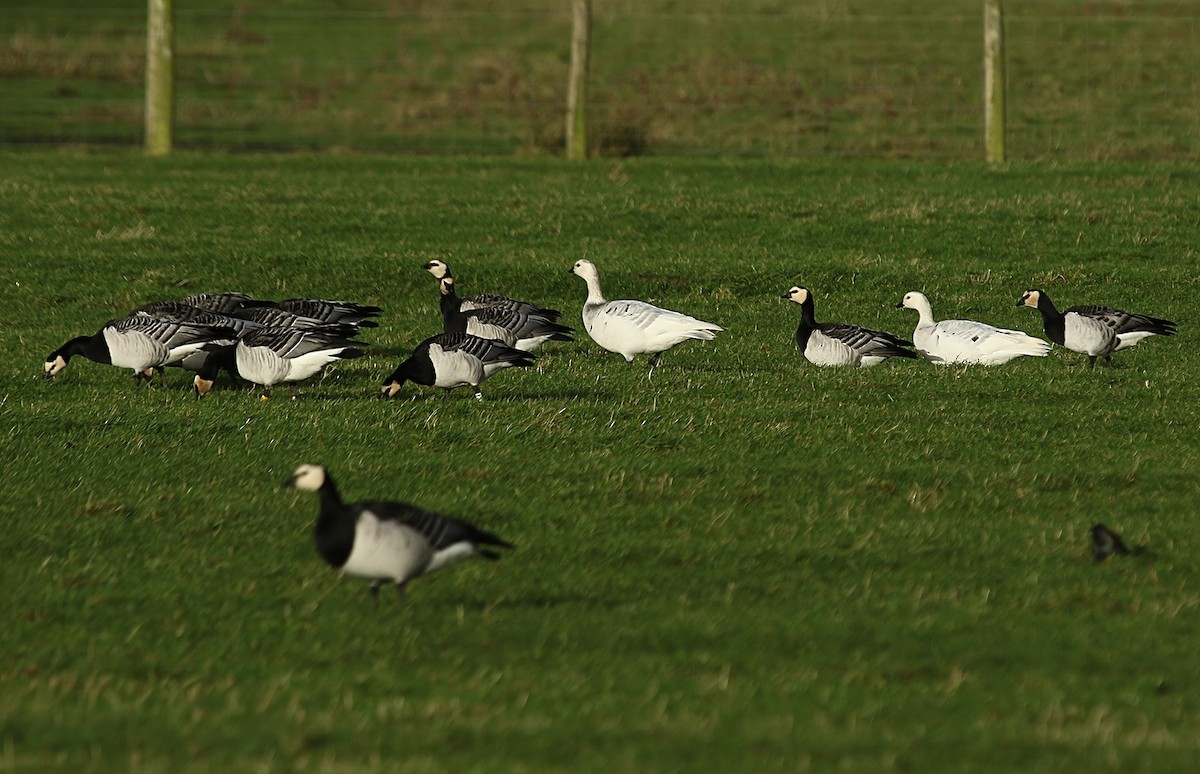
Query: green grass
{"x": 745, "y": 563}
{"x": 899, "y": 78}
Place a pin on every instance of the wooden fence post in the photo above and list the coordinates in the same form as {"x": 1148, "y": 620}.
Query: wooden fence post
{"x": 994, "y": 86}
{"x": 581, "y": 37}
{"x": 160, "y": 76}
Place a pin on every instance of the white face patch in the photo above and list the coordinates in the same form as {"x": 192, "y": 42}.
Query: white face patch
{"x": 437, "y": 269}
{"x": 390, "y": 389}
{"x": 797, "y": 294}
{"x": 55, "y": 365}
{"x": 1031, "y": 298}
{"x": 309, "y": 477}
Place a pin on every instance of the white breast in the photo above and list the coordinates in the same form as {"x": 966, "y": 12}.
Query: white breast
{"x": 1087, "y": 335}
{"x": 455, "y": 368}
{"x": 823, "y": 350}
{"x": 261, "y": 365}
{"x": 133, "y": 349}
{"x": 386, "y": 550}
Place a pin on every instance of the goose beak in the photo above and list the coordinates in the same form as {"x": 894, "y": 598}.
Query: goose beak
{"x": 900, "y": 305}
{"x": 290, "y": 483}
{"x": 786, "y": 295}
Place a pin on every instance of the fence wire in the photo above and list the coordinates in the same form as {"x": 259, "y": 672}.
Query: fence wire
{"x": 1096, "y": 80}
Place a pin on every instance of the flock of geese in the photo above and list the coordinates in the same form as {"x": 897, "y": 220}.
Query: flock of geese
{"x": 272, "y": 342}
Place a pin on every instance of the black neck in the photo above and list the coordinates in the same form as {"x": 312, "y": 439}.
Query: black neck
{"x": 334, "y": 533}
{"x": 93, "y": 347}
{"x": 808, "y": 322}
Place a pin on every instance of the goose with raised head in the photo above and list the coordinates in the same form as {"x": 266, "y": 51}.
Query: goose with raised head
{"x": 1095, "y": 331}
{"x": 450, "y": 360}
{"x": 967, "y": 341}
{"x": 270, "y": 356}
{"x": 441, "y": 270}
{"x": 517, "y": 329}
{"x": 632, "y": 328}
{"x": 842, "y": 344}
{"x": 138, "y": 342}
{"x": 387, "y": 541}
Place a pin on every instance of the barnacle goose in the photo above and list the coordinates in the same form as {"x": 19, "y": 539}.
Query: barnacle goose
{"x": 440, "y": 270}
{"x": 332, "y": 311}
{"x": 841, "y": 344}
{"x": 388, "y": 542}
{"x": 517, "y": 329}
{"x": 631, "y": 328}
{"x": 268, "y": 356}
{"x": 139, "y": 342}
{"x": 967, "y": 341}
{"x": 1096, "y": 331}
{"x": 1106, "y": 543}
{"x": 450, "y": 360}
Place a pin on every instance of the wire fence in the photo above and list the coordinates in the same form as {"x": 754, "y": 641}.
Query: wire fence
{"x": 1086, "y": 80}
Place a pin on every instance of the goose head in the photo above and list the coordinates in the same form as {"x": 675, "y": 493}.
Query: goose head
{"x": 437, "y": 268}
{"x": 1032, "y": 299}
{"x": 585, "y": 268}
{"x": 391, "y": 388}
{"x": 308, "y": 477}
{"x": 914, "y": 300}
{"x": 797, "y": 294}
{"x": 55, "y": 363}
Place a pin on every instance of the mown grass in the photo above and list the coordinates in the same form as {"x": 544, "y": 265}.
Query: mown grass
{"x": 744, "y": 563}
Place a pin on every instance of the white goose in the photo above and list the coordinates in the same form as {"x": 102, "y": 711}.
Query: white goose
{"x": 631, "y": 328}
{"x": 1096, "y": 331}
{"x": 842, "y": 344}
{"x": 450, "y": 360}
{"x": 388, "y": 542}
{"x": 967, "y": 341}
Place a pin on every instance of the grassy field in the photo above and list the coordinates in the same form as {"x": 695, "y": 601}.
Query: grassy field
{"x": 901, "y": 78}
{"x": 745, "y": 563}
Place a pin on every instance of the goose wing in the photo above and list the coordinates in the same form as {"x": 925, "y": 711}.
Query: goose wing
{"x": 332, "y": 311}
{"x": 290, "y": 343}
{"x": 487, "y": 300}
{"x": 1122, "y": 322}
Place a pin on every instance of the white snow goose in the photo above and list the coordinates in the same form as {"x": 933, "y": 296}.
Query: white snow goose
{"x": 441, "y": 270}
{"x": 450, "y": 360}
{"x": 269, "y": 356}
{"x": 388, "y": 542}
{"x": 1095, "y": 331}
{"x": 631, "y": 328}
{"x": 517, "y": 329}
{"x": 967, "y": 341}
{"x": 138, "y": 342}
{"x": 842, "y": 344}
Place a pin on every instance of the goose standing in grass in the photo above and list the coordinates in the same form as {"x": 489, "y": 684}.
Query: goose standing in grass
{"x": 269, "y": 356}
{"x": 1095, "y": 331}
{"x": 441, "y": 270}
{"x": 841, "y": 344}
{"x": 450, "y": 360}
{"x": 967, "y": 341}
{"x": 138, "y": 342}
{"x": 388, "y": 542}
{"x": 517, "y": 329}
{"x": 632, "y": 328}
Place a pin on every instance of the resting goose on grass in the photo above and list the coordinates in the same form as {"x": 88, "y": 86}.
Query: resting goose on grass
{"x": 631, "y": 328}
{"x": 1096, "y": 331}
{"x": 138, "y": 342}
{"x": 388, "y": 542}
{"x": 967, "y": 341}
{"x": 450, "y": 360}
{"x": 840, "y": 344}
{"x": 440, "y": 270}
{"x": 517, "y": 329}
{"x": 269, "y": 356}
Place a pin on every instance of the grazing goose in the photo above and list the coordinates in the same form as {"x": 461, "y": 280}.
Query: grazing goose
{"x": 440, "y": 270}
{"x": 274, "y": 317}
{"x": 631, "y": 328}
{"x": 332, "y": 311}
{"x": 224, "y": 303}
{"x": 525, "y": 332}
{"x": 388, "y": 542}
{"x": 840, "y": 344}
{"x": 268, "y": 356}
{"x": 967, "y": 341}
{"x": 138, "y": 342}
{"x": 1096, "y": 331}
{"x": 450, "y": 360}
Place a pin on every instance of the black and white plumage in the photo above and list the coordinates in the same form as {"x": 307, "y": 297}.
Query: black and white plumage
{"x": 441, "y": 270}
{"x": 327, "y": 312}
{"x": 138, "y": 342}
{"x": 842, "y": 344}
{"x": 517, "y": 329}
{"x": 222, "y": 303}
{"x": 967, "y": 341}
{"x": 1095, "y": 331}
{"x": 631, "y": 328}
{"x": 269, "y": 356}
{"x": 388, "y": 542}
{"x": 450, "y": 360}
{"x": 1106, "y": 543}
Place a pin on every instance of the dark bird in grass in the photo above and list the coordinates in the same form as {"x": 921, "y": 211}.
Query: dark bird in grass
{"x": 388, "y": 542}
{"x": 1105, "y": 543}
